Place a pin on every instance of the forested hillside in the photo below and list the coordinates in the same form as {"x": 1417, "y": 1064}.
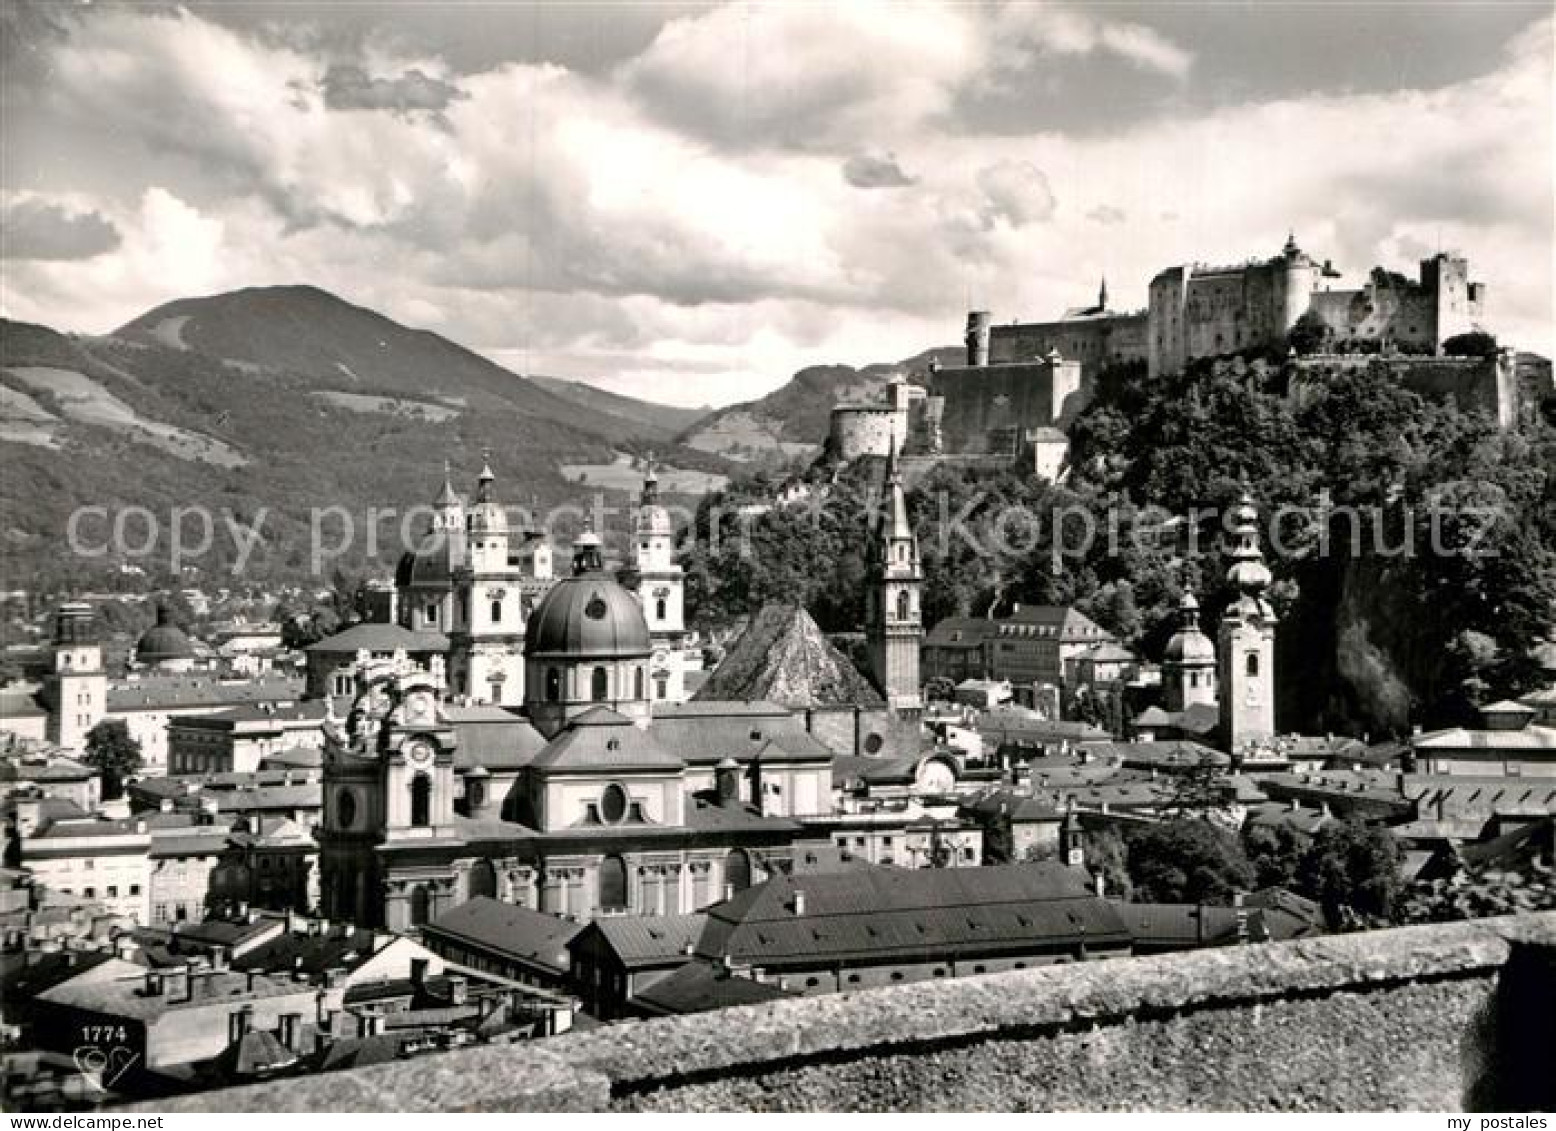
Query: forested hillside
{"x": 1378, "y": 629}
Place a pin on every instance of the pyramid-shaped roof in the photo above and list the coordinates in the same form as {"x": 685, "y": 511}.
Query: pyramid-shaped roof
{"x": 784, "y": 658}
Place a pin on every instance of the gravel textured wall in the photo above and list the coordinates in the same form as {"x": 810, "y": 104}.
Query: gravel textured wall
{"x": 1412, "y": 1018}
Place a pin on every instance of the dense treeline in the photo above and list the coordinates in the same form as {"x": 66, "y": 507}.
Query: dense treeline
{"x": 1413, "y": 544}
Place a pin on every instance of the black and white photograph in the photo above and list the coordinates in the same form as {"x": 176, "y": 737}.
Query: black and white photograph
{"x": 872, "y": 556}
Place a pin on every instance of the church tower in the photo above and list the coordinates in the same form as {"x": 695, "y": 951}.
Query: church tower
{"x": 78, "y": 687}
{"x": 487, "y": 639}
{"x": 388, "y": 784}
{"x": 661, "y": 588}
{"x": 1189, "y": 663}
{"x": 1247, "y": 640}
{"x": 894, "y": 626}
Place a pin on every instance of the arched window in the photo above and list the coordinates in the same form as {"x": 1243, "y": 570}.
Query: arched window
{"x": 613, "y": 884}
{"x": 420, "y": 905}
{"x": 737, "y": 869}
{"x": 483, "y": 879}
{"x": 599, "y": 685}
{"x": 637, "y": 683}
{"x": 904, "y": 603}
{"x": 496, "y": 612}
{"x": 475, "y": 794}
{"x": 660, "y": 608}
{"x": 553, "y": 685}
{"x": 421, "y": 801}
{"x": 1253, "y": 663}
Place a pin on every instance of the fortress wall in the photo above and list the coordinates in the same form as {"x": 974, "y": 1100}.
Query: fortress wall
{"x": 1451, "y": 1016}
{"x": 1092, "y": 341}
{"x": 1478, "y": 384}
{"x": 988, "y": 410}
{"x": 1407, "y": 316}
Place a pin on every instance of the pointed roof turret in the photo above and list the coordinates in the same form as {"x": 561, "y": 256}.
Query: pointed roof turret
{"x": 446, "y": 497}
{"x": 484, "y": 481}
{"x": 899, "y": 526}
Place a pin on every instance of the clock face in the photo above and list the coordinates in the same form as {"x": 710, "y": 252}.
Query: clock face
{"x": 420, "y": 753}
{"x": 419, "y": 707}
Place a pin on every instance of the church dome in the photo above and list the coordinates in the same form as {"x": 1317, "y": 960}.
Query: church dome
{"x": 163, "y": 642}
{"x": 587, "y": 616}
{"x": 431, "y": 564}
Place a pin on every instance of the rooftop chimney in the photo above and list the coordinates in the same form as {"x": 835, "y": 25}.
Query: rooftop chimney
{"x": 799, "y": 901}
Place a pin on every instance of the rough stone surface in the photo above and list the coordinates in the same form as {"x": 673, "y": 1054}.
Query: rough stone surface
{"x": 1386, "y": 1019}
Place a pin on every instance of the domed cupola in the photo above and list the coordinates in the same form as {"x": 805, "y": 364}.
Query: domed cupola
{"x": 587, "y": 644}
{"x": 1189, "y": 643}
{"x": 653, "y": 518}
{"x": 164, "y": 645}
{"x": 487, "y": 515}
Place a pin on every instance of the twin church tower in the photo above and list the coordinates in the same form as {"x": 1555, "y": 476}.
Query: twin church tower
{"x": 478, "y": 582}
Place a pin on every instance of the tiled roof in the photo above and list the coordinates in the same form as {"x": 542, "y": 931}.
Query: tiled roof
{"x": 1179, "y": 925}
{"x": 700, "y": 986}
{"x": 153, "y": 693}
{"x": 650, "y": 940}
{"x": 494, "y": 738}
{"x": 518, "y": 932}
{"x": 20, "y": 704}
{"x": 1461, "y": 738}
{"x": 783, "y": 657}
{"x": 704, "y": 738}
{"x": 887, "y": 913}
{"x": 378, "y": 637}
{"x": 602, "y": 739}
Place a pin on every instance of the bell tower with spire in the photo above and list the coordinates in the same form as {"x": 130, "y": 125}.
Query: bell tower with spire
{"x": 662, "y": 589}
{"x": 894, "y": 626}
{"x": 1246, "y": 645}
{"x": 487, "y": 636}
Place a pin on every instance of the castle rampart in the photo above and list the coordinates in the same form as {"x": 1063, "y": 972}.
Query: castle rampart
{"x": 1447, "y": 1017}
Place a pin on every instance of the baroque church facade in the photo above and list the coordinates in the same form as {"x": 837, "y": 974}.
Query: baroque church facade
{"x": 476, "y": 580}
{"x": 603, "y": 795}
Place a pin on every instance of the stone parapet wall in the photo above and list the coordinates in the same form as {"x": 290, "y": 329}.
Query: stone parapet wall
{"x": 1417, "y": 1018}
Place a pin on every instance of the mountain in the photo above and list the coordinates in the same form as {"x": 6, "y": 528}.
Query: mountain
{"x": 272, "y": 405}
{"x": 647, "y": 415}
{"x": 792, "y": 421}
{"x": 349, "y": 349}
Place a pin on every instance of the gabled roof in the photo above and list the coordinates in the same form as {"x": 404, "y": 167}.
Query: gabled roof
{"x": 641, "y": 941}
{"x": 160, "y": 692}
{"x": 783, "y": 657}
{"x": 704, "y": 737}
{"x": 510, "y": 930}
{"x": 885, "y": 913}
{"x": 379, "y": 637}
{"x": 601, "y": 739}
{"x": 700, "y": 986}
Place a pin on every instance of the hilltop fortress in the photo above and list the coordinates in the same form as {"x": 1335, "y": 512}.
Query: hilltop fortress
{"x": 1023, "y": 383}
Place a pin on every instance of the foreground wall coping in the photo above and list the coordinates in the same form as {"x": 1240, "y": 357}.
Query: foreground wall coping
{"x": 582, "y": 1070}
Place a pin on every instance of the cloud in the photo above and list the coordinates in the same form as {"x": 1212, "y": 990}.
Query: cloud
{"x": 39, "y": 229}
{"x": 1016, "y": 192}
{"x": 1024, "y": 29}
{"x": 347, "y": 86}
{"x": 868, "y": 171}
{"x": 705, "y": 226}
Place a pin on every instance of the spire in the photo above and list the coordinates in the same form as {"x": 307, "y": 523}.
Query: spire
{"x": 483, "y": 491}
{"x": 446, "y": 497}
{"x": 1248, "y": 573}
{"x": 1102, "y": 295}
{"x": 900, "y": 526}
{"x": 650, "y": 482}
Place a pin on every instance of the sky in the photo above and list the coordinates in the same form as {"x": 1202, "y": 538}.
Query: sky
{"x": 689, "y": 202}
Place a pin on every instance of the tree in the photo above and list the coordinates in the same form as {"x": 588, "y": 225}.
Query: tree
{"x": 113, "y": 753}
{"x": 1352, "y": 870}
{"x": 1474, "y": 343}
{"x": 1108, "y": 856}
{"x": 1276, "y": 852}
{"x": 1308, "y": 334}
{"x": 1187, "y": 861}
